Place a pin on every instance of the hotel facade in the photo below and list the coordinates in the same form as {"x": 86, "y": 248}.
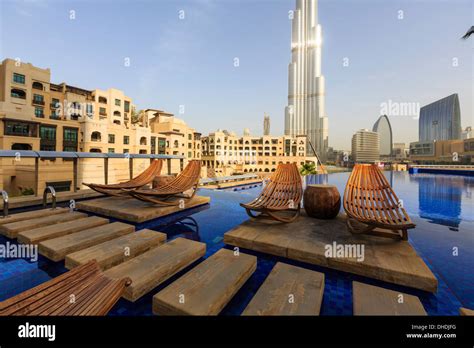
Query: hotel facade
{"x": 36, "y": 114}
{"x": 225, "y": 153}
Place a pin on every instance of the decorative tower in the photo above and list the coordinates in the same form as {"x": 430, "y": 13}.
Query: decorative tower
{"x": 266, "y": 124}
{"x": 305, "y": 113}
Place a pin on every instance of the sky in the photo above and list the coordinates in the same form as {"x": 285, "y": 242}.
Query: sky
{"x": 221, "y": 64}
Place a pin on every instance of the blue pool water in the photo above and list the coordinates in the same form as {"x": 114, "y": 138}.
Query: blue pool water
{"x": 442, "y": 206}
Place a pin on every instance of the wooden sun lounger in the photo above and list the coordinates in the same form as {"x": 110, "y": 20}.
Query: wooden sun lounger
{"x": 140, "y": 180}
{"x": 282, "y": 194}
{"x": 370, "y": 200}
{"x": 83, "y": 291}
{"x": 187, "y": 180}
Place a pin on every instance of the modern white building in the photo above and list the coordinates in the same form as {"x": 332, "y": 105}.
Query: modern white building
{"x": 365, "y": 146}
{"x": 305, "y": 113}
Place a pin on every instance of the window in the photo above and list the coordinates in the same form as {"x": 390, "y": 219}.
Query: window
{"x": 38, "y": 99}
{"x": 48, "y": 138}
{"x": 117, "y": 113}
{"x": 111, "y": 150}
{"x": 126, "y": 150}
{"x": 143, "y": 141}
{"x": 126, "y": 106}
{"x": 190, "y": 137}
{"x": 102, "y": 112}
{"x": 102, "y": 100}
{"x": 190, "y": 155}
{"x": 111, "y": 138}
{"x": 118, "y": 102}
{"x": 39, "y": 112}
{"x": 22, "y": 129}
{"x": 89, "y": 109}
{"x": 19, "y": 78}
{"x": 96, "y": 136}
{"x": 126, "y": 140}
{"x": 54, "y": 103}
{"x": 70, "y": 139}
{"x": 37, "y": 85}
{"x": 18, "y": 93}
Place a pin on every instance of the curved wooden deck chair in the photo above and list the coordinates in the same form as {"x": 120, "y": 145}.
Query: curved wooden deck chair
{"x": 370, "y": 200}
{"x": 187, "y": 180}
{"x": 282, "y": 194}
{"x": 85, "y": 290}
{"x": 140, "y": 180}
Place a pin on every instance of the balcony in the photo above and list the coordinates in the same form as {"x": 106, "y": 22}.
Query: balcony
{"x": 38, "y": 102}
{"x": 39, "y": 115}
{"x": 54, "y": 105}
{"x": 102, "y": 113}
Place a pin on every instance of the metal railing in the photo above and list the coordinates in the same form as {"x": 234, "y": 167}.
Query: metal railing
{"x": 53, "y": 197}
{"x": 76, "y": 156}
{"x": 5, "y": 203}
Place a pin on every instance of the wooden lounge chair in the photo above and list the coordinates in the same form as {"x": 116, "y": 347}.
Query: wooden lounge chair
{"x": 140, "y": 180}
{"x": 280, "y": 195}
{"x": 166, "y": 194}
{"x": 83, "y": 291}
{"x": 370, "y": 200}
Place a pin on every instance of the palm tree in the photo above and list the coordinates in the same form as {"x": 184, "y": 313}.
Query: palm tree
{"x": 469, "y": 33}
{"x": 308, "y": 169}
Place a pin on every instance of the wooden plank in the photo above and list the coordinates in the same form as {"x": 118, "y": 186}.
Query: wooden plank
{"x": 37, "y": 235}
{"x": 11, "y": 230}
{"x": 117, "y": 250}
{"x": 134, "y": 210}
{"x": 391, "y": 261}
{"x": 288, "y": 290}
{"x": 466, "y": 311}
{"x": 34, "y": 214}
{"x": 373, "y": 300}
{"x": 56, "y": 249}
{"x": 150, "y": 269}
{"x": 206, "y": 289}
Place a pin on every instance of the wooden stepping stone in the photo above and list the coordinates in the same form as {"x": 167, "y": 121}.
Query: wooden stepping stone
{"x": 152, "y": 268}
{"x": 206, "y": 289}
{"x": 466, "y": 311}
{"x": 37, "y": 235}
{"x": 27, "y": 215}
{"x": 288, "y": 290}
{"x": 372, "y": 300}
{"x": 56, "y": 249}
{"x": 114, "y": 251}
{"x": 12, "y": 230}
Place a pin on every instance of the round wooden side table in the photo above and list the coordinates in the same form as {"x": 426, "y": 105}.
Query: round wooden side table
{"x": 322, "y": 201}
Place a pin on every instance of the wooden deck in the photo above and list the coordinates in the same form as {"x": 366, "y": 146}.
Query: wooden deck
{"x": 11, "y": 230}
{"x": 153, "y": 267}
{"x": 306, "y": 240}
{"x": 466, "y": 311}
{"x": 133, "y": 210}
{"x": 372, "y": 300}
{"x": 40, "y": 234}
{"x": 116, "y": 251}
{"x": 206, "y": 289}
{"x": 56, "y": 249}
{"x": 288, "y": 290}
{"x": 34, "y": 214}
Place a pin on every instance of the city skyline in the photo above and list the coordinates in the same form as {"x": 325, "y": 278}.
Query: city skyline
{"x": 160, "y": 76}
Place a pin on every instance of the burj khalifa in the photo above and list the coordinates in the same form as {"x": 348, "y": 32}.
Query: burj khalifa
{"x": 305, "y": 113}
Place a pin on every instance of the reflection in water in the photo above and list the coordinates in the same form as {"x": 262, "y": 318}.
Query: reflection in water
{"x": 186, "y": 227}
{"x": 440, "y": 197}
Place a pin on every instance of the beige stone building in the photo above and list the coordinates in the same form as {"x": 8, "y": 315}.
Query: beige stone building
{"x": 225, "y": 153}
{"x": 38, "y": 115}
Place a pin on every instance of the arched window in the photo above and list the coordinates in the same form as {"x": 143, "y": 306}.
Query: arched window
{"x": 143, "y": 141}
{"x": 95, "y": 150}
{"x": 37, "y": 85}
{"x": 117, "y": 122}
{"x": 18, "y": 93}
{"x": 96, "y": 136}
{"x": 266, "y": 170}
{"x": 103, "y": 100}
{"x": 20, "y": 146}
{"x": 176, "y": 143}
{"x": 117, "y": 113}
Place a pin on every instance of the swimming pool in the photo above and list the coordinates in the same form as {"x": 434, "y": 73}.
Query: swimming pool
{"x": 442, "y": 206}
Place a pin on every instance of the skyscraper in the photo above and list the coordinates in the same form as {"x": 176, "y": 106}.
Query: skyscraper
{"x": 383, "y": 127}
{"x": 365, "y": 146}
{"x": 440, "y": 120}
{"x": 305, "y": 113}
{"x": 266, "y": 125}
